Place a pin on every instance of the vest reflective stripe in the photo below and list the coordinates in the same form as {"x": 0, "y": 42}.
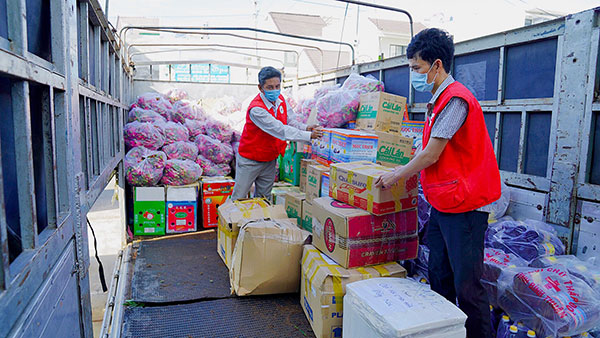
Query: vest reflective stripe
{"x": 466, "y": 176}
{"x": 257, "y": 145}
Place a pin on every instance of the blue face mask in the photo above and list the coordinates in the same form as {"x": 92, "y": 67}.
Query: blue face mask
{"x": 272, "y": 95}
{"x": 419, "y": 81}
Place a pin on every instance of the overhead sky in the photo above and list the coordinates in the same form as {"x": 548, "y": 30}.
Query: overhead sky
{"x": 465, "y": 19}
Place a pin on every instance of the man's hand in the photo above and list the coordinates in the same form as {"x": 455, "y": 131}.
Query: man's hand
{"x": 313, "y": 127}
{"x": 316, "y": 133}
{"x": 388, "y": 179}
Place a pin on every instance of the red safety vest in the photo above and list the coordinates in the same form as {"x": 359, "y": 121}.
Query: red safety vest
{"x": 257, "y": 145}
{"x": 466, "y": 176}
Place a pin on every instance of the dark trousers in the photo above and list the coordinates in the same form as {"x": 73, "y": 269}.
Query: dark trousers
{"x": 456, "y": 262}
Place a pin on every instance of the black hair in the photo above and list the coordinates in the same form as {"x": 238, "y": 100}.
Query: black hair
{"x": 431, "y": 44}
{"x": 268, "y": 73}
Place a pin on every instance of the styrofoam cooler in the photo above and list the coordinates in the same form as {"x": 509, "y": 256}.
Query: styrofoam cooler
{"x": 399, "y": 307}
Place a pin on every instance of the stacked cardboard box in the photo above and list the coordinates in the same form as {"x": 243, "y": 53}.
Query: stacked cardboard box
{"x": 304, "y": 172}
{"x": 149, "y": 211}
{"x": 313, "y": 181}
{"x": 232, "y": 214}
{"x": 182, "y": 207}
{"x": 278, "y": 193}
{"x": 323, "y": 287}
{"x": 293, "y": 206}
{"x": 353, "y": 145}
{"x": 214, "y": 192}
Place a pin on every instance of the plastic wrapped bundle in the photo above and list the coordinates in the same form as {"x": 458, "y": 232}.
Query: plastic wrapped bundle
{"x": 184, "y": 110}
{"x": 211, "y": 169}
{"x": 215, "y": 151}
{"x": 495, "y": 262}
{"x": 144, "y": 115}
{"x": 551, "y": 301}
{"x": 363, "y": 84}
{"x": 338, "y": 108}
{"x": 176, "y": 94}
{"x": 181, "y": 172}
{"x": 144, "y": 167}
{"x": 527, "y": 239}
{"x": 173, "y": 132}
{"x": 143, "y": 134}
{"x": 424, "y": 210}
{"x": 218, "y": 130}
{"x": 583, "y": 270}
{"x": 498, "y": 208}
{"x": 155, "y": 102}
{"x": 181, "y": 150}
{"x": 304, "y": 108}
{"x": 194, "y": 127}
{"x": 422, "y": 261}
{"x": 322, "y": 91}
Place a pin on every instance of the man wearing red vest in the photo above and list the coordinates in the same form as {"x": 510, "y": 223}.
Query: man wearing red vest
{"x": 459, "y": 176}
{"x": 264, "y": 137}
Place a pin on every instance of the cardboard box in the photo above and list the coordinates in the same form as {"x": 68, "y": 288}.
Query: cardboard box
{"x": 313, "y": 181}
{"x": 278, "y": 193}
{"x": 293, "y": 206}
{"x": 303, "y": 172}
{"x": 325, "y": 184}
{"x": 233, "y": 213}
{"x": 289, "y": 168}
{"x": 149, "y": 211}
{"x": 265, "y": 258}
{"x": 414, "y": 130}
{"x": 307, "y": 216}
{"x": 321, "y": 147}
{"x": 393, "y": 149}
{"x": 353, "y": 237}
{"x": 381, "y": 111}
{"x": 215, "y": 190}
{"x": 182, "y": 208}
{"x": 354, "y": 183}
{"x": 323, "y": 287}
{"x": 353, "y": 145}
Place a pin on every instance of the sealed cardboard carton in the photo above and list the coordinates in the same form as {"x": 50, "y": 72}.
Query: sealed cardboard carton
{"x": 393, "y": 149}
{"x": 149, "y": 211}
{"x": 324, "y": 184}
{"x": 307, "y": 216}
{"x": 233, "y": 213}
{"x": 265, "y": 258}
{"x": 354, "y": 183}
{"x": 353, "y": 145}
{"x": 293, "y": 206}
{"x": 313, "y": 181}
{"x": 381, "y": 111}
{"x": 353, "y": 237}
{"x": 304, "y": 171}
{"x": 278, "y": 193}
{"x": 215, "y": 190}
{"x": 414, "y": 130}
{"x": 323, "y": 287}
{"x": 321, "y": 147}
{"x": 182, "y": 207}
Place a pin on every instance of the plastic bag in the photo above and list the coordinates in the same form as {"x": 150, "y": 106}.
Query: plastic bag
{"x": 143, "y": 134}
{"x": 495, "y": 262}
{"x": 217, "y": 130}
{"x": 583, "y": 270}
{"x": 211, "y": 169}
{"x": 144, "y": 115}
{"x": 176, "y": 94}
{"x": 144, "y": 167}
{"x": 423, "y": 210}
{"x": 181, "y": 172}
{"x": 304, "y": 108}
{"x": 173, "y": 132}
{"x": 181, "y": 150}
{"x": 183, "y": 110}
{"x": 214, "y": 150}
{"x": 194, "y": 127}
{"x": 337, "y": 108}
{"x": 422, "y": 262}
{"x": 550, "y": 301}
{"x": 498, "y": 208}
{"x": 527, "y": 239}
{"x": 322, "y": 91}
{"x": 155, "y": 102}
{"x": 364, "y": 84}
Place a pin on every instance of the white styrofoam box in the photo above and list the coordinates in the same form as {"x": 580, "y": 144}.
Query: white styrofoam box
{"x": 399, "y": 307}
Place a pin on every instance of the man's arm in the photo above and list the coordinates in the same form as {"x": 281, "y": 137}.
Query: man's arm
{"x": 429, "y": 156}
{"x": 272, "y": 126}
